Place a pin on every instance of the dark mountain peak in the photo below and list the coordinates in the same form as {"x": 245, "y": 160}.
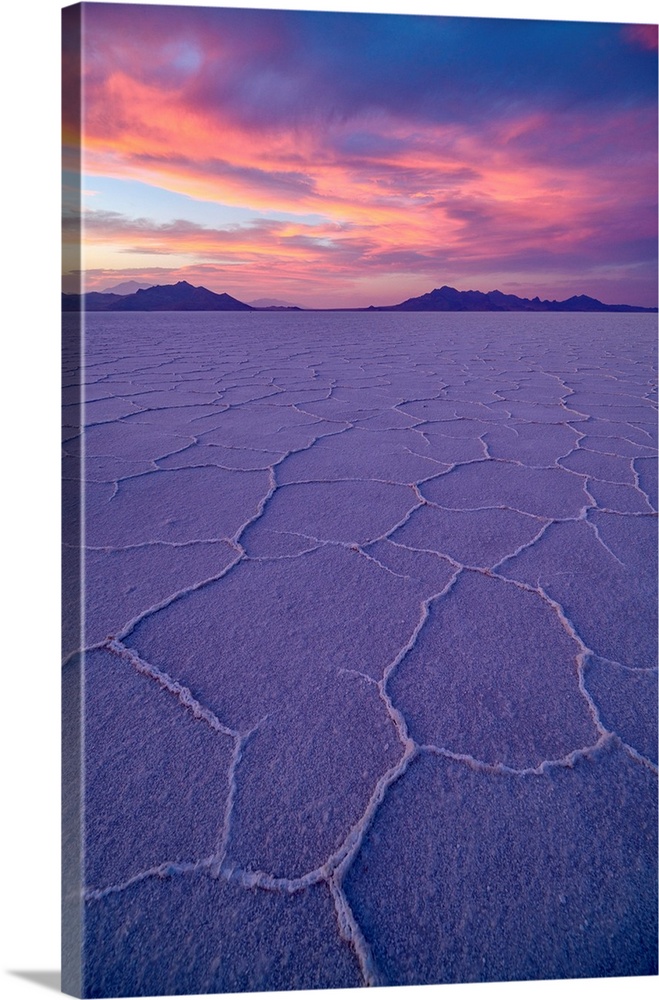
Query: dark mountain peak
{"x": 166, "y": 298}
{"x": 181, "y": 296}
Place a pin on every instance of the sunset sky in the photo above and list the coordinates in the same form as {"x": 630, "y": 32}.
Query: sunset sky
{"x": 349, "y": 159}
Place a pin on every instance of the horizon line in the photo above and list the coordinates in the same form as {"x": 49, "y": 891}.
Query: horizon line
{"x": 296, "y": 307}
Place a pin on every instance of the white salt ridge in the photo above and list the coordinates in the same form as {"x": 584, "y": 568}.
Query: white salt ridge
{"x": 472, "y": 407}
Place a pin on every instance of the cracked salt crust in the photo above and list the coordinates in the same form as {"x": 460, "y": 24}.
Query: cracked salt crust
{"x": 369, "y": 656}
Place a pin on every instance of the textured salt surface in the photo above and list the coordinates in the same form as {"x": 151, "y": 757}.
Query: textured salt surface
{"x": 369, "y": 649}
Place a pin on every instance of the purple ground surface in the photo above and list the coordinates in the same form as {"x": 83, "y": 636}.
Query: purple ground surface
{"x": 369, "y": 649}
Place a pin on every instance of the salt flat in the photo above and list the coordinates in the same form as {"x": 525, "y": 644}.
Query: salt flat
{"x": 369, "y": 651}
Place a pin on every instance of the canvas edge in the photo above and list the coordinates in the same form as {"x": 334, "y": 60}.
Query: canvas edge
{"x": 72, "y": 523}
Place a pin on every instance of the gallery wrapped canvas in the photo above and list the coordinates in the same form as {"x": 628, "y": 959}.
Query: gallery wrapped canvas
{"x": 360, "y": 498}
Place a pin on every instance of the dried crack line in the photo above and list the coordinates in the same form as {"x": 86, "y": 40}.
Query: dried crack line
{"x": 523, "y": 546}
{"x": 151, "y": 544}
{"x": 599, "y": 538}
{"x": 582, "y": 659}
{"x": 235, "y": 538}
{"x": 639, "y": 758}
{"x": 622, "y": 666}
{"x": 351, "y": 932}
{"x": 358, "y": 673}
{"x": 165, "y": 870}
{"x": 177, "y": 595}
{"x": 498, "y": 767}
{"x": 637, "y": 483}
{"x": 182, "y": 693}
{"x": 289, "y": 555}
{"x": 221, "y": 852}
{"x": 83, "y": 649}
{"x": 336, "y": 868}
{"x": 399, "y": 524}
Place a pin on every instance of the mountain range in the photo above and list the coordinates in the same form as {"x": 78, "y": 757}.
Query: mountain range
{"x": 181, "y": 297}
{"x": 446, "y": 299}
{"x": 185, "y": 297}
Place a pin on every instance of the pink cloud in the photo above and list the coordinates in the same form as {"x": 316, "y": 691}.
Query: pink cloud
{"x": 642, "y": 35}
{"x": 549, "y": 185}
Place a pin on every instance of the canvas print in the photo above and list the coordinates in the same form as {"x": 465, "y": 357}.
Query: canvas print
{"x": 360, "y": 497}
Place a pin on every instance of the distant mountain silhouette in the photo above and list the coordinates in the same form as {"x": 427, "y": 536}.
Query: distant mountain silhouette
{"x": 128, "y": 287}
{"x": 270, "y": 309}
{"x": 181, "y": 297}
{"x": 446, "y": 299}
{"x": 272, "y": 304}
